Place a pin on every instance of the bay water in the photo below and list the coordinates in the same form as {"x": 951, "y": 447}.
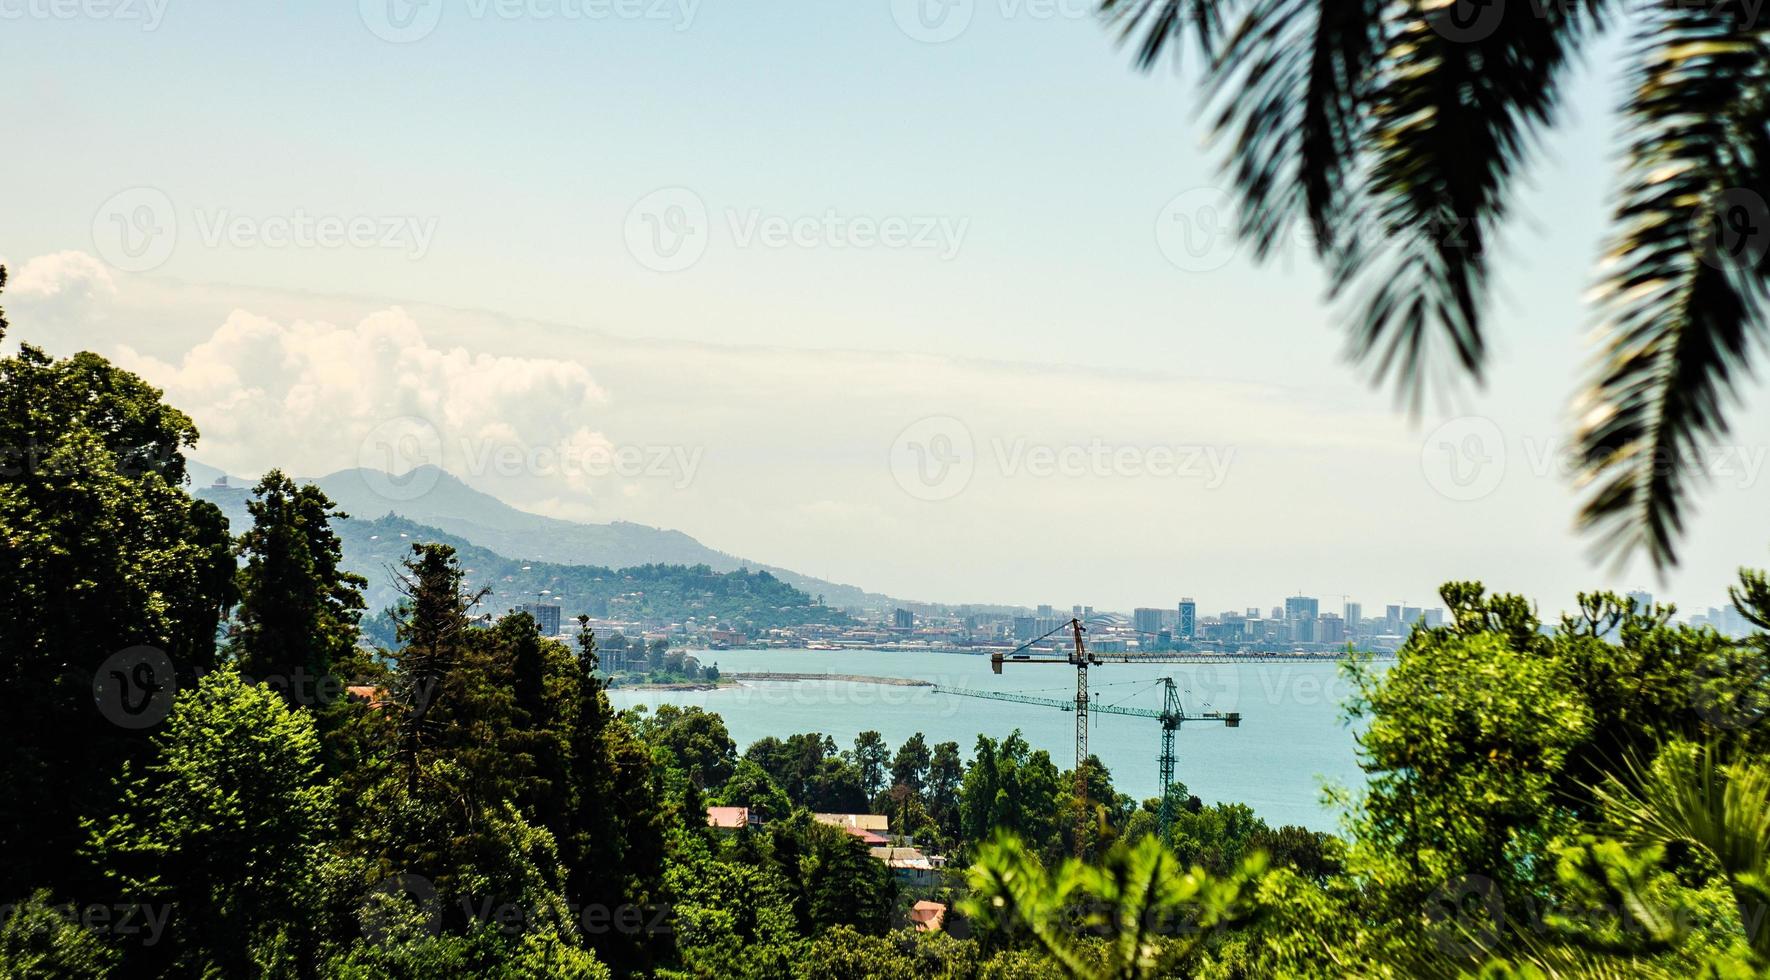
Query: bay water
{"x": 1292, "y": 741}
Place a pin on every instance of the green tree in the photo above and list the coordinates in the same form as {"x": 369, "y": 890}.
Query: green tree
{"x": 847, "y": 885}
{"x": 225, "y": 825}
{"x": 909, "y": 767}
{"x": 433, "y": 624}
{"x": 1009, "y": 787}
{"x": 41, "y": 942}
{"x": 871, "y": 755}
{"x": 1135, "y": 896}
{"x": 101, "y": 551}
{"x": 697, "y": 739}
{"x": 946, "y": 773}
{"x": 299, "y": 610}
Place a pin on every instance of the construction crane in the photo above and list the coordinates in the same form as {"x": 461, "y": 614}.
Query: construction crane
{"x": 1081, "y": 658}
{"x": 1171, "y": 716}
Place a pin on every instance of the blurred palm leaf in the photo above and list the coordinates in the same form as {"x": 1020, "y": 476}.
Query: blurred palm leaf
{"x": 1720, "y": 807}
{"x": 1680, "y": 310}
{"x": 1395, "y": 131}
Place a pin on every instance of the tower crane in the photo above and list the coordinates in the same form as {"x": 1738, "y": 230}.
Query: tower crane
{"x": 1081, "y": 658}
{"x": 1171, "y": 716}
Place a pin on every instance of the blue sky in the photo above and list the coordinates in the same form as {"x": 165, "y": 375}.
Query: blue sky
{"x": 523, "y": 145}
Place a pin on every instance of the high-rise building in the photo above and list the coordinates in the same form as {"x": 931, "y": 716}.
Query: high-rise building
{"x": 1330, "y": 629}
{"x": 545, "y": 616}
{"x": 1146, "y": 620}
{"x": 1299, "y": 607}
{"x": 1188, "y": 624}
{"x": 1354, "y": 615}
{"x": 903, "y": 619}
{"x": 1642, "y": 601}
{"x": 1392, "y": 620}
{"x": 1410, "y": 617}
{"x": 1435, "y": 617}
{"x": 1045, "y": 611}
{"x": 1024, "y": 628}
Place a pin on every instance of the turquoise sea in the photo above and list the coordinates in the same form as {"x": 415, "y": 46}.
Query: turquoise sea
{"x": 1291, "y": 743}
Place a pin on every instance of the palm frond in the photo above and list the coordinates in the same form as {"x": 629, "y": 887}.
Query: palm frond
{"x": 1679, "y": 317}
{"x": 1290, "y": 80}
{"x": 1454, "y": 112}
{"x": 1721, "y": 807}
{"x": 1165, "y": 22}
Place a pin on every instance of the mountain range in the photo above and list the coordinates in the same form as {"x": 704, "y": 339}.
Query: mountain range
{"x": 451, "y": 506}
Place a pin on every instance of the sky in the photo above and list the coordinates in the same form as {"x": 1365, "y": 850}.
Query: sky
{"x": 896, "y": 300}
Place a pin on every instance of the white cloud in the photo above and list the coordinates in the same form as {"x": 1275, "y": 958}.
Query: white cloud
{"x": 59, "y": 288}
{"x": 313, "y": 397}
{"x": 69, "y": 274}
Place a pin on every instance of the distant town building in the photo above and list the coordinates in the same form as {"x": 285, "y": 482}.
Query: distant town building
{"x": 877, "y": 823}
{"x": 1434, "y": 617}
{"x": 909, "y": 866}
{"x": 1642, "y": 601}
{"x": 1188, "y": 626}
{"x": 728, "y": 818}
{"x": 1301, "y": 607}
{"x": 927, "y": 916}
{"x": 1330, "y": 628}
{"x": 545, "y": 616}
{"x": 1046, "y": 612}
{"x": 1146, "y": 620}
{"x": 1354, "y": 615}
{"x": 903, "y": 619}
